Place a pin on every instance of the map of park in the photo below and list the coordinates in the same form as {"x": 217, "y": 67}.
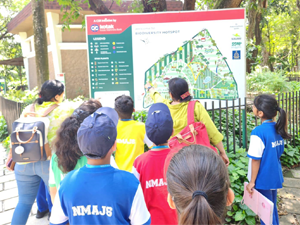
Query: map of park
{"x": 201, "y": 64}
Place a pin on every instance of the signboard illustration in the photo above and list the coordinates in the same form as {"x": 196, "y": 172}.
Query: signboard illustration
{"x": 207, "y": 49}
{"x": 201, "y": 64}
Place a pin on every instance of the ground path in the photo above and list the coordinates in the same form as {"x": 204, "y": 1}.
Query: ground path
{"x": 9, "y": 196}
{"x": 290, "y": 198}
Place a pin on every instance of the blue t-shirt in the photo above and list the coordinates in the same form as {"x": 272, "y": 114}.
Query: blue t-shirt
{"x": 100, "y": 195}
{"x": 266, "y": 145}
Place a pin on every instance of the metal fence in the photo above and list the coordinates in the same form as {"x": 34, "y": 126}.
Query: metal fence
{"x": 234, "y": 121}
{"x": 11, "y": 111}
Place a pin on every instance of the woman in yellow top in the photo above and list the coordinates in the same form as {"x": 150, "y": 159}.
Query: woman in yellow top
{"x": 179, "y": 93}
{"x": 29, "y": 175}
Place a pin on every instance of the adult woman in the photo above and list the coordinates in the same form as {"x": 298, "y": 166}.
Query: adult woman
{"x": 179, "y": 93}
{"x": 29, "y": 175}
{"x": 198, "y": 186}
{"x": 68, "y": 156}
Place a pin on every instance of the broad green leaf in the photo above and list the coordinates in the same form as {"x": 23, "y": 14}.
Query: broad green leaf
{"x": 239, "y": 216}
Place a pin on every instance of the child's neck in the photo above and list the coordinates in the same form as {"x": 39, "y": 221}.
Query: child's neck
{"x": 266, "y": 120}
{"x": 96, "y": 162}
{"x": 160, "y": 147}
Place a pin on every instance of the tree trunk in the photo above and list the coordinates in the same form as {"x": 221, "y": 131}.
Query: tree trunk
{"x": 99, "y": 7}
{"x": 298, "y": 4}
{"x": 154, "y": 6}
{"x": 222, "y": 4}
{"x": 189, "y": 4}
{"x": 40, "y": 41}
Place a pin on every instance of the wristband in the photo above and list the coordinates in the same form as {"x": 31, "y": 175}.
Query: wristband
{"x": 149, "y": 88}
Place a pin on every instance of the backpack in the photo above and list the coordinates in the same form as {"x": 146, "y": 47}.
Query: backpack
{"x": 29, "y": 137}
{"x": 194, "y": 133}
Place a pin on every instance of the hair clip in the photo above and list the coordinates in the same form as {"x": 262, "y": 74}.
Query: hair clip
{"x": 186, "y": 94}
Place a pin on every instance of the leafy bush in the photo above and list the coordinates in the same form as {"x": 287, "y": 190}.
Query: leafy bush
{"x": 3, "y": 128}
{"x": 291, "y": 156}
{"x": 267, "y": 82}
{"x": 6, "y": 143}
{"x": 27, "y": 96}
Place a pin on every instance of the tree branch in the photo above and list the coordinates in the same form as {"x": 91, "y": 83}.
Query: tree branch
{"x": 221, "y": 4}
{"x": 4, "y": 35}
{"x": 298, "y": 4}
{"x": 99, "y": 7}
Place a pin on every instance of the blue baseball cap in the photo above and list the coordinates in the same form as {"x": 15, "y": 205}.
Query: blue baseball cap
{"x": 159, "y": 124}
{"x": 98, "y": 132}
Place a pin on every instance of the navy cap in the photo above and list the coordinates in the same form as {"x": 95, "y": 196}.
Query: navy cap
{"x": 98, "y": 132}
{"x": 159, "y": 124}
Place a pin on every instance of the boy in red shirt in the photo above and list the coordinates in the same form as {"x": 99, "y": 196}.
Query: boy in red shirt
{"x": 149, "y": 167}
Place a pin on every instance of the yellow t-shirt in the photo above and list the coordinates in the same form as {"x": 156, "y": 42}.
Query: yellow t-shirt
{"x": 179, "y": 116}
{"x": 130, "y": 143}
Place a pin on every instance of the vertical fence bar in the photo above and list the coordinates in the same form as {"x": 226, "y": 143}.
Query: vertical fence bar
{"x": 240, "y": 128}
{"x": 227, "y": 139}
{"x": 279, "y": 105}
{"x": 294, "y": 118}
{"x": 290, "y": 116}
{"x": 245, "y": 125}
{"x": 220, "y": 117}
{"x": 296, "y": 111}
{"x": 233, "y": 129}
{"x": 213, "y": 111}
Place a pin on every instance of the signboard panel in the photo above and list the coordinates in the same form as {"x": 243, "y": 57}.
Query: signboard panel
{"x": 205, "y": 48}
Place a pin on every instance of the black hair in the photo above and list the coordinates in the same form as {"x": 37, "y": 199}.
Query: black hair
{"x": 124, "y": 106}
{"x": 67, "y": 149}
{"x": 178, "y": 87}
{"x": 269, "y": 106}
{"x": 49, "y": 90}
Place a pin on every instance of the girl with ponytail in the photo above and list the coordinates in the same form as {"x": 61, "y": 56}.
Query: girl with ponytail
{"x": 266, "y": 148}
{"x": 68, "y": 156}
{"x": 198, "y": 186}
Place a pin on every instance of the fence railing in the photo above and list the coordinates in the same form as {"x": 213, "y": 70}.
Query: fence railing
{"x": 233, "y": 118}
{"x": 11, "y": 111}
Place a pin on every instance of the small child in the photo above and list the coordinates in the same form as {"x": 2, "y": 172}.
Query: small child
{"x": 131, "y": 134}
{"x": 98, "y": 193}
{"x": 198, "y": 186}
{"x": 266, "y": 147}
{"x": 149, "y": 167}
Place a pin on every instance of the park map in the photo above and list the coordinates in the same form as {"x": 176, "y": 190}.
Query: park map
{"x": 201, "y": 64}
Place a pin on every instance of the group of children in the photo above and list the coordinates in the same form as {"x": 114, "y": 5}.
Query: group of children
{"x": 196, "y": 187}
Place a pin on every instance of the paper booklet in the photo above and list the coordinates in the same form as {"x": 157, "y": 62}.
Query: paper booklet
{"x": 259, "y": 204}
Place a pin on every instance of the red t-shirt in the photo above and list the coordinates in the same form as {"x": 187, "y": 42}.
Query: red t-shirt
{"x": 148, "y": 168}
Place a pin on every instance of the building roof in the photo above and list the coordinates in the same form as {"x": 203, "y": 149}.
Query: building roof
{"x": 26, "y": 13}
{"x": 13, "y": 62}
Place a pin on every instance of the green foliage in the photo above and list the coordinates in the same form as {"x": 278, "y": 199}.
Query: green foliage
{"x": 238, "y": 169}
{"x": 3, "y": 128}
{"x": 291, "y": 155}
{"x": 261, "y": 81}
{"x": 6, "y": 143}
{"x": 27, "y": 96}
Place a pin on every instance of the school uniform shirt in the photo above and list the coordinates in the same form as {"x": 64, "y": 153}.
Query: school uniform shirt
{"x": 99, "y": 195}
{"x": 266, "y": 145}
{"x": 148, "y": 168}
{"x": 131, "y": 138}
{"x": 56, "y": 175}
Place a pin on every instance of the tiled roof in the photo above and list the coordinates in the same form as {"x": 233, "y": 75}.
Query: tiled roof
{"x": 171, "y": 6}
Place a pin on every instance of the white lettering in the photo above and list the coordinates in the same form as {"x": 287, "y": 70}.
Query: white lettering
{"x": 156, "y": 183}
{"x": 109, "y": 211}
{"x": 277, "y": 143}
{"x": 76, "y": 211}
{"x": 95, "y": 210}
{"x": 86, "y": 211}
{"x": 126, "y": 141}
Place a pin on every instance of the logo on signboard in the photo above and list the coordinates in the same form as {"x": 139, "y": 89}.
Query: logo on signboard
{"x": 94, "y": 28}
{"x": 236, "y": 55}
{"x": 236, "y": 36}
{"x": 236, "y": 44}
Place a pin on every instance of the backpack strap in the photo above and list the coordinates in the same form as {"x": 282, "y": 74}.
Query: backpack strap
{"x": 191, "y": 112}
{"x": 34, "y": 114}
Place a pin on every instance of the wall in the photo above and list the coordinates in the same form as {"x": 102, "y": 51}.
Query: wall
{"x": 74, "y": 35}
{"x": 32, "y": 70}
{"x": 74, "y": 65}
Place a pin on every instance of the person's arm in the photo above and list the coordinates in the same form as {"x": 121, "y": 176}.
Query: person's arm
{"x": 57, "y": 214}
{"x": 139, "y": 213}
{"x": 254, "y": 171}
{"x": 223, "y": 153}
{"x": 53, "y": 191}
{"x": 156, "y": 97}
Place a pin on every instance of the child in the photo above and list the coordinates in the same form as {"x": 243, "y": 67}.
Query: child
{"x": 68, "y": 156}
{"x": 98, "y": 193}
{"x": 266, "y": 147}
{"x": 148, "y": 167}
{"x": 131, "y": 134}
{"x": 198, "y": 186}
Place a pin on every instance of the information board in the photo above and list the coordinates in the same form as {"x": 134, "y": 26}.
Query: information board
{"x": 206, "y": 48}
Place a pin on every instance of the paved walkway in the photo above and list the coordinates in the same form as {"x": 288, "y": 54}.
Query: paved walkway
{"x": 9, "y": 196}
{"x": 290, "y": 198}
